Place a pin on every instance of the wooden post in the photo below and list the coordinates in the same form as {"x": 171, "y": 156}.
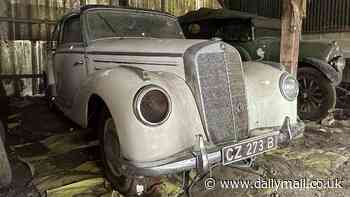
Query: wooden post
{"x": 291, "y": 22}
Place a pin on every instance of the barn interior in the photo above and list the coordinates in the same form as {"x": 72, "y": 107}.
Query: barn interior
{"x": 44, "y": 152}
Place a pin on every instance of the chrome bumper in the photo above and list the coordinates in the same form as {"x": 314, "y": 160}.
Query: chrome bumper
{"x": 200, "y": 160}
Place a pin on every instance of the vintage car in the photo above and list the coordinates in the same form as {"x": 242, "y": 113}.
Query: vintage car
{"x": 5, "y": 168}
{"x": 257, "y": 38}
{"x": 161, "y": 104}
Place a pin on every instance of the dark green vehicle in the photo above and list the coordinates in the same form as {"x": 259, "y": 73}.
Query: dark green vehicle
{"x": 258, "y": 38}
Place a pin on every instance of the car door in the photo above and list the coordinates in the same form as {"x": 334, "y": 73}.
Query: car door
{"x": 69, "y": 62}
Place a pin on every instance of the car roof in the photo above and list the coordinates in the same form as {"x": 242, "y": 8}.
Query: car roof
{"x": 208, "y": 13}
{"x": 82, "y": 9}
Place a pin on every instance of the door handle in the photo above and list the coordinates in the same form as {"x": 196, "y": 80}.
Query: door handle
{"x": 80, "y": 62}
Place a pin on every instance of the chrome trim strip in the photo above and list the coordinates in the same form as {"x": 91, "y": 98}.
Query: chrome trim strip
{"x": 135, "y": 54}
{"x": 140, "y": 63}
{"x": 283, "y": 78}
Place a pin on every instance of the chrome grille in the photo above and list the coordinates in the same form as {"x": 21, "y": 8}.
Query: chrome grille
{"x": 216, "y": 78}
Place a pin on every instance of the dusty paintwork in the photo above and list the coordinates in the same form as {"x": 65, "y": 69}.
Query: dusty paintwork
{"x": 263, "y": 89}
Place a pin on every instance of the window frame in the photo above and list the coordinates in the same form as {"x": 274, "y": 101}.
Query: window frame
{"x": 84, "y": 19}
{"x": 63, "y": 25}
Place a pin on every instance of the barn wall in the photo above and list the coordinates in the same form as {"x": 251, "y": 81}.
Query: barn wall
{"x": 175, "y": 7}
{"x": 25, "y": 25}
{"x": 266, "y": 8}
{"x": 327, "y": 16}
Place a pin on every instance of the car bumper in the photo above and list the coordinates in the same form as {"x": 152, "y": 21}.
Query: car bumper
{"x": 200, "y": 159}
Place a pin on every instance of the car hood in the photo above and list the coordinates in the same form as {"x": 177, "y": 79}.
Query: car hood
{"x": 322, "y": 50}
{"x": 143, "y": 46}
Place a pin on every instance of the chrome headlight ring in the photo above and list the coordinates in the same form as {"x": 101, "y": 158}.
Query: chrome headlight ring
{"x": 152, "y": 105}
{"x": 289, "y": 87}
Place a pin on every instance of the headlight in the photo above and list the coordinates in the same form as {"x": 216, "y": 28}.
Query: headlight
{"x": 152, "y": 105}
{"x": 338, "y": 63}
{"x": 289, "y": 87}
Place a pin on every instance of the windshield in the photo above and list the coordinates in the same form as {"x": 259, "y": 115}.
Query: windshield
{"x": 111, "y": 23}
{"x": 235, "y": 30}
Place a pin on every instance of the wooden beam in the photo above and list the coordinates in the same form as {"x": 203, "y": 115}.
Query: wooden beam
{"x": 291, "y": 25}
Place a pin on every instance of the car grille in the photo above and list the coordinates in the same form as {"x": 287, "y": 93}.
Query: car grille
{"x": 222, "y": 99}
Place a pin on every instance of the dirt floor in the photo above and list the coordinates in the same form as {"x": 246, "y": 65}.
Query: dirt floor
{"x": 53, "y": 157}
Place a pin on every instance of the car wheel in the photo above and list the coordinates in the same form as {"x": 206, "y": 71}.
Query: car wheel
{"x": 112, "y": 157}
{"x": 317, "y": 95}
{"x": 5, "y": 168}
{"x": 111, "y": 154}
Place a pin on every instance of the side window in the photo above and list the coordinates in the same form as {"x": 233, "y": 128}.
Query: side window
{"x": 72, "y": 31}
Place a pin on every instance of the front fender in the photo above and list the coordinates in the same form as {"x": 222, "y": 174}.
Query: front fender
{"x": 267, "y": 107}
{"x": 334, "y": 76}
{"x": 141, "y": 143}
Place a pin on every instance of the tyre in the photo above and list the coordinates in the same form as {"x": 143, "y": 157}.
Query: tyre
{"x": 5, "y": 168}
{"x": 111, "y": 154}
{"x": 317, "y": 95}
{"x": 111, "y": 157}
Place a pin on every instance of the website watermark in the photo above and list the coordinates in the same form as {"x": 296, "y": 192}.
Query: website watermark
{"x": 276, "y": 184}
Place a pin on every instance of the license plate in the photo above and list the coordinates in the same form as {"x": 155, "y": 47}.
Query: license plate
{"x": 248, "y": 148}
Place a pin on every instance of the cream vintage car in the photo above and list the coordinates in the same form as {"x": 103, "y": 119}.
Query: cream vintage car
{"x": 163, "y": 104}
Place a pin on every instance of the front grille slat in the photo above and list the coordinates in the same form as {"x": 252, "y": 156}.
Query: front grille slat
{"x": 219, "y": 84}
{"x": 238, "y": 88}
{"x": 216, "y": 97}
